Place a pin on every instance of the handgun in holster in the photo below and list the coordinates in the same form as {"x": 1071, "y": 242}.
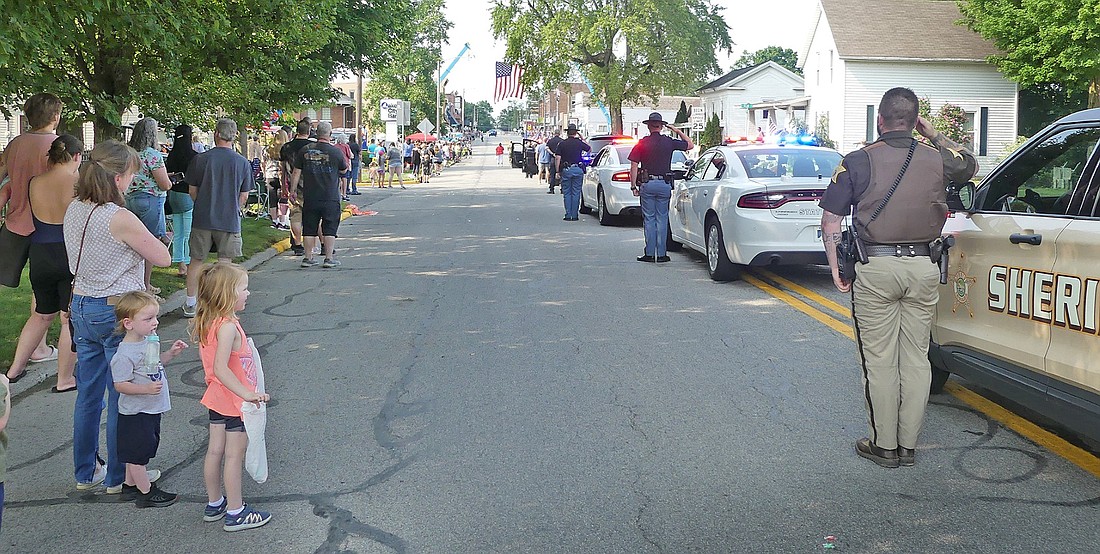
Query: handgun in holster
{"x": 939, "y": 252}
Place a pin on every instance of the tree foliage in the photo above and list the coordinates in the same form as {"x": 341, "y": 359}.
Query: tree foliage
{"x": 513, "y": 115}
{"x": 712, "y": 133}
{"x": 682, "y": 114}
{"x": 189, "y": 60}
{"x": 484, "y": 111}
{"x": 783, "y": 56}
{"x": 1042, "y": 41}
{"x": 627, "y": 49}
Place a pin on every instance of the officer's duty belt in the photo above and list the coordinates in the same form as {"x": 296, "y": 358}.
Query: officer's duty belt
{"x": 898, "y": 250}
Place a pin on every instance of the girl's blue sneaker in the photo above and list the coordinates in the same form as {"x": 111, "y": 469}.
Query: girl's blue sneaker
{"x": 247, "y": 519}
{"x": 214, "y": 513}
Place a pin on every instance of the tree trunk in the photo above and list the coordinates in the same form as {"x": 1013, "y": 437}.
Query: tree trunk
{"x": 615, "y": 107}
{"x": 104, "y": 130}
{"x": 1094, "y": 92}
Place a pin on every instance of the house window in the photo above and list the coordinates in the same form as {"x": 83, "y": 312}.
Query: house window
{"x": 326, "y": 114}
{"x": 970, "y": 131}
{"x": 830, "y": 66}
{"x": 870, "y": 123}
{"x": 311, "y": 114}
{"x": 983, "y": 136}
{"x": 817, "y": 67}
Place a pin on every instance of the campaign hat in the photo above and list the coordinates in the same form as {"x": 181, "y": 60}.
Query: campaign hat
{"x": 655, "y": 117}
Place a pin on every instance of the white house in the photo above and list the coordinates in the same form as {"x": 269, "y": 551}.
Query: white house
{"x": 859, "y": 49}
{"x": 593, "y": 121}
{"x": 751, "y": 97}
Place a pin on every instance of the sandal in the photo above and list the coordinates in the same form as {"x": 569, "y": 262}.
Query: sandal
{"x": 49, "y": 357}
{"x": 153, "y": 290}
{"x": 14, "y": 380}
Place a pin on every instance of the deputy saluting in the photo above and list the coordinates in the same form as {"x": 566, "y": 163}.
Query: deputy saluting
{"x": 895, "y": 189}
{"x": 654, "y": 189}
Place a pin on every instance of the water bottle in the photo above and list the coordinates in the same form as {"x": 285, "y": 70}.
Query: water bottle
{"x": 152, "y": 354}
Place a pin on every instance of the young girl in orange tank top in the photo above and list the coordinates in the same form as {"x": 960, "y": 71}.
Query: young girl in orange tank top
{"x": 230, "y": 381}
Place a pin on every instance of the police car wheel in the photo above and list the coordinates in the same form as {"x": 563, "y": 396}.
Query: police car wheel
{"x": 939, "y": 379}
{"x": 719, "y": 265}
{"x": 601, "y": 209}
{"x": 670, "y": 244}
{"x": 584, "y": 209}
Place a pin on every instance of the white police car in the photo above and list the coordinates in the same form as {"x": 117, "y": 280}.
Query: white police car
{"x": 1020, "y": 314}
{"x": 752, "y": 203}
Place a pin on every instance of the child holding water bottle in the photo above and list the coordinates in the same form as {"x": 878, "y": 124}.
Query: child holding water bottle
{"x": 138, "y": 373}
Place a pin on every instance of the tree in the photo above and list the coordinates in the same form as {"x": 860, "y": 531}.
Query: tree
{"x": 1042, "y": 42}
{"x": 1042, "y": 104}
{"x": 484, "y": 117}
{"x": 783, "y": 56}
{"x": 512, "y": 115}
{"x": 712, "y": 133}
{"x": 682, "y": 115}
{"x": 822, "y": 131}
{"x": 626, "y": 49}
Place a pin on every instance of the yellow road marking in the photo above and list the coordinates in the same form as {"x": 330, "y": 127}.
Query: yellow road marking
{"x": 1050, "y": 441}
{"x": 844, "y": 311}
{"x": 1078, "y": 456}
{"x": 833, "y": 323}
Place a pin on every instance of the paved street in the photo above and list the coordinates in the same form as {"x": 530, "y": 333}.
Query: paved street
{"x": 481, "y": 376}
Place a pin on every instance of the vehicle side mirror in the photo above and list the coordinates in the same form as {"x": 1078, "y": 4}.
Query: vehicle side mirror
{"x": 960, "y": 196}
{"x": 688, "y": 164}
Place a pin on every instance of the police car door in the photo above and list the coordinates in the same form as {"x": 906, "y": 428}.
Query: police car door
{"x": 1075, "y": 283}
{"x": 998, "y": 299}
{"x": 683, "y": 220}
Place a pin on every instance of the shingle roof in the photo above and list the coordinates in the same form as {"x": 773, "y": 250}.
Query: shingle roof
{"x": 727, "y": 77}
{"x": 888, "y": 29}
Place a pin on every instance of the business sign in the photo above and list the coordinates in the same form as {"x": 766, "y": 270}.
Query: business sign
{"x": 389, "y": 109}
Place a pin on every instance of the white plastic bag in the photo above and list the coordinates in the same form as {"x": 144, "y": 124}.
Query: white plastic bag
{"x": 255, "y": 421}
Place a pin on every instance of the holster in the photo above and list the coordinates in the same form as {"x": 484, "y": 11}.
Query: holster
{"x": 850, "y": 250}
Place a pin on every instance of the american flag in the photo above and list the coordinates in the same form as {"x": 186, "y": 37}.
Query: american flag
{"x": 508, "y": 82}
{"x": 772, "y": 129}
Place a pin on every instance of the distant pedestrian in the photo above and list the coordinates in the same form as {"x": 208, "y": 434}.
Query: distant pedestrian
{"x": 149, "y": 190}
{"x": 142, "y": 396}
{"x": 356, "y": 163}
{"x": 653, "y": 156}
{"x": 345, "y": 177}
{"x": 294, "y": 195}
{"x": 277, "y": 201}
{"x": 318, "y": 167}
{"x": 500, "y": 154}
{"x": 570, "y": 170}
{"x": 552, "y": 144}
{"x": 416, "y": 161}
{"x": 395, "y": 162}
{"x": 407, "y": 149}
{"x": 230, "y": 372}
{"x": 219, "y": 181}
{"x": 179, "y": 196}
{"x": 543, "y": 153}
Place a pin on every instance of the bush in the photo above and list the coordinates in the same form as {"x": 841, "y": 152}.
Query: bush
{"x": 712, "y": 134}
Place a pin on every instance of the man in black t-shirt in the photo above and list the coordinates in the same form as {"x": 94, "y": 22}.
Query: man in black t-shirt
{"x": 570, "y": 172}
{"x": 318, "y": 167}
{"x": 286, "y": 156}
{"x": 552, "y": 144}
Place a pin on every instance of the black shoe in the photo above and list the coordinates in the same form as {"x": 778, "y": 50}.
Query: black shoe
{"x": 129, "y": 493}
{"x": 549, "y": 192}
{"x": 156, "y": 498}
{"x": 884, "y": 458}
{"x": 566, "y": 218}
{"x": 663, "y": 259}
{"x": 649, "y": 259}
{"x": 907, "y": 456}
{"x": 298, "y": 250}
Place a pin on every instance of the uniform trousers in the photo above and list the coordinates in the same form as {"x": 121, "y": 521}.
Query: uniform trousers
{"x": 653, "y": 199}
{"x": 892, "y": 305}
{"x": 571, "y": 178}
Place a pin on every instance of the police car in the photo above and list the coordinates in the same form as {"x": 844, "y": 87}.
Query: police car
{"x": 1020, "y": 314}
{"x": 753, "y": 203}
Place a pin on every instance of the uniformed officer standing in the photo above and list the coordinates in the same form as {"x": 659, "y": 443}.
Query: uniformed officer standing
{"x": 894, "y": 294}
{"x": 570, "y": 171}
{"x": 654, "y": 153}
{"x": 552, "y": 145}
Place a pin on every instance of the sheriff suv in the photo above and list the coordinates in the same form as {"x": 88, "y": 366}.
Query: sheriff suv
{"x": 1020, "y": 314}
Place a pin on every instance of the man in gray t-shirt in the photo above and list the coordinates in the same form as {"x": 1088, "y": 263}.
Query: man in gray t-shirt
{"x": 220, "y": 181}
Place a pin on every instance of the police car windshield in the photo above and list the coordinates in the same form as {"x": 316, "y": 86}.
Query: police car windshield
{"x": 782, "y": 162}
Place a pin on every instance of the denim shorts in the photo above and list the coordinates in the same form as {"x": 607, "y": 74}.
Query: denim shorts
{"x": 149, "y": 209}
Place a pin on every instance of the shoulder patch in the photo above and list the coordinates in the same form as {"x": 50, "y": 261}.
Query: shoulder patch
{"x": 838, "y": 170}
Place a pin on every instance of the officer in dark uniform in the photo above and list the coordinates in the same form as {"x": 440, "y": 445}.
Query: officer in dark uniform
{"x": 654, "y": 154}
{"x": 553, "y": 144}
{"x": 570, "y": 171}
{"x": 894, "y": 294}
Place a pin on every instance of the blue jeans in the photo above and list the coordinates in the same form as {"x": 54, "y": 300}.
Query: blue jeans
{"x": 354, "y": 182}
{"x": 96, "y": 342}
{"x": 149, "y": 209}
{"x": 654, "y": 199}
{"x": 182, "y": 210}
{"x": 571, "y": 190}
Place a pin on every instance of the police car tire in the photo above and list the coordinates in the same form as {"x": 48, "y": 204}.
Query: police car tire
{"x": 670, "y": 244}
{"x": 584, "y": 209}
{"x": 601, "y": 209}
{"x": 939, "y": 379}
{"x": 723, "y": 269}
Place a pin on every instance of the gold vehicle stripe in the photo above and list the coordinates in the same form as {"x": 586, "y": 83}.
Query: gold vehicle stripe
{"x": 1050, "y": 441}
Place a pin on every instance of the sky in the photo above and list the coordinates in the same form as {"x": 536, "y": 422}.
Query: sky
{"x": 754, "y": 24}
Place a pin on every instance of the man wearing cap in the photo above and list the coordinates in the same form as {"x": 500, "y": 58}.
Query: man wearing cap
{"x": 570, "y": 172}
{"x": 654, "y": 154}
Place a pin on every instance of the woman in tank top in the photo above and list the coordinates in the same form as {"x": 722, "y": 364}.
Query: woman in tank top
{"x": 108, "y": 248}
{"x": 50, "y": 194}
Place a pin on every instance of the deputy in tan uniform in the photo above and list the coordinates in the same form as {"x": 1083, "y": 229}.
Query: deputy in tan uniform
{"x": 894, "y": 294}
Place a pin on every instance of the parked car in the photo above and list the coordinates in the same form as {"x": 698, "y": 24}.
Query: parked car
{"x": 753, "y": 204}
{"x": 606, "y": 186}
{"x": 492, "y": 132}
{"x": 597, "y": 143}
{"x": 1020, "y": 314}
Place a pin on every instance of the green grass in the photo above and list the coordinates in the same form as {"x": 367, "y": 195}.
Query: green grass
{"x": 256, "y": 235}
